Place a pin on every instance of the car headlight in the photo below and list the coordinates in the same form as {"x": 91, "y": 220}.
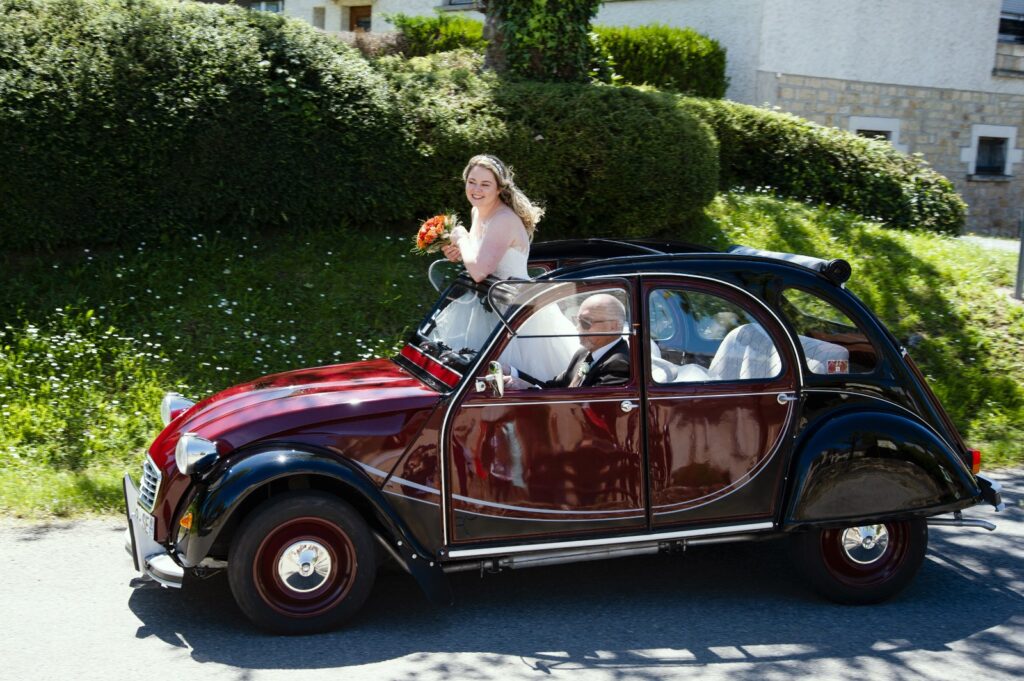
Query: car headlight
{"x": 194, "y": 454}
{"x": 172, "y": 405}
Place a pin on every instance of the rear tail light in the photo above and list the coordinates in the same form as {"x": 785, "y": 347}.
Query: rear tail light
{"x": 975, "y": 460}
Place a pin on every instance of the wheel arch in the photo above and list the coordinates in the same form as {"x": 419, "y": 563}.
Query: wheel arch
{"x": 873, "y": 464}
{"x": 249, "y": 480}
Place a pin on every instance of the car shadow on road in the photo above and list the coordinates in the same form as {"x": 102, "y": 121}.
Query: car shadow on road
{"x": 726, "y": 604}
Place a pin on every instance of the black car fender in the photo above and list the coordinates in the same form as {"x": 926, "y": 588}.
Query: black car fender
{"x": 243, "y": 475}
{"x": 873, "y": 464}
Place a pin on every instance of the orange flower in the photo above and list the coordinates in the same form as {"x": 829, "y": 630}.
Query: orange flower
{"x": 435, "y": 233}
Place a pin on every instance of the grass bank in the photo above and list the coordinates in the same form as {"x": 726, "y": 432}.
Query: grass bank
{"x": 92, "y": 339}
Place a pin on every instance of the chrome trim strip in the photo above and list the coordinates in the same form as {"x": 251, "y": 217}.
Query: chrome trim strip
{"x": 613, "y": 541}
{"x": 538, "y": 402}
{"x": 408, "y": 498}
{"x": 528, "y": 509}
{"x": 768, "y": 393}
{"x": 492, "y": 504}
{"x": 557, "y": 520}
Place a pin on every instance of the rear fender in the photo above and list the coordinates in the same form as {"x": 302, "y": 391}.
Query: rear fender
{"x": 872, "y": 465}
{"x": 248, "y": 474}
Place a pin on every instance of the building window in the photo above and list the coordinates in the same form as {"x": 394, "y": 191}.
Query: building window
{"x": 887, "y": 129}
{"x": 359, "y": 18}
{"x": 991, "y": 159}
{"x": 992, "y": 152}
{"x": 320, "y": 17}
{"x": 1011, "y": 22}
{"x": 275, "y": 6}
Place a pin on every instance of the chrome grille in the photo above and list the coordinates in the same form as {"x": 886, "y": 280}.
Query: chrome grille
{"x": 149, "y": 486}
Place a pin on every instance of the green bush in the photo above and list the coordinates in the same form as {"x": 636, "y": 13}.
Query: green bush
{"x": 122, "y": 118}
{"x": 797, "y": 158}
{"x": 443, "y": 32}
{"x": 679, "y": 59}
{"x": 604, "y": 160}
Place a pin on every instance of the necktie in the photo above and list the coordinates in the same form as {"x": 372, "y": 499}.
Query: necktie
{"x": 581, "y": 371}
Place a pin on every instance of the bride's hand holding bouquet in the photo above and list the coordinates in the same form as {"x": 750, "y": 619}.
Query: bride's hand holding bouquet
{"x": 440, "y": 233}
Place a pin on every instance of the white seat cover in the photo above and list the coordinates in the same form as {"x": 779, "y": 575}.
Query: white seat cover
{"x": 746, "y": 352}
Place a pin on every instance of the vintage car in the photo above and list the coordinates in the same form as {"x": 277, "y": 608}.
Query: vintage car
{"x": 761, "y": 399}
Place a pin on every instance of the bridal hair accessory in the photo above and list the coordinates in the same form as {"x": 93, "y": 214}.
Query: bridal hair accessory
{"x": 502, "y": 170}
{"x": 435, "y": 233}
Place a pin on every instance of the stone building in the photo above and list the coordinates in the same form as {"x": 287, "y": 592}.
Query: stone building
{"x": 941, "y": 78}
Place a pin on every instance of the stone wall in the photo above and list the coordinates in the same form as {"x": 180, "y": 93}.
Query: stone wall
{"x": 937, "y": 123}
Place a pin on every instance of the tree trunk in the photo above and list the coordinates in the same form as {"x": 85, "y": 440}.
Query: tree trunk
{"x": 494, "y": 34}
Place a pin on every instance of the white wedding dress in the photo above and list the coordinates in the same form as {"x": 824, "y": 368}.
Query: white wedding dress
{"x": 465, "y": 323}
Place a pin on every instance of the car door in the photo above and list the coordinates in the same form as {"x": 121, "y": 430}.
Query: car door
{"x": 721, "y": 381}
{"x": 537, "y": 463}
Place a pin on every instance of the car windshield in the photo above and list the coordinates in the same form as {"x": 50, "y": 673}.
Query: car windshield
{"x": 461, "y": 320}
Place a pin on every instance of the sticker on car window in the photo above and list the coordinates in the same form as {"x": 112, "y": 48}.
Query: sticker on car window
{"x": 838, "y": 366}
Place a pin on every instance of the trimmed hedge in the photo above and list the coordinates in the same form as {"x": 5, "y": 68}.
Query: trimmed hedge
{"x": 423, "y": 35}
{"x": 679, "y": 59}
{"x": 802, "y": 160}
{"x": 123, "y": 118}
{"x": 603, "y": 160}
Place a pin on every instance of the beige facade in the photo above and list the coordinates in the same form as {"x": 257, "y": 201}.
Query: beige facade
{"x": 940, "y": 124}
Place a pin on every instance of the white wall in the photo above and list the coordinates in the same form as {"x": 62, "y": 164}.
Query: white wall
{"x": 930, "y": 43}
{"x": 337, "y": 20}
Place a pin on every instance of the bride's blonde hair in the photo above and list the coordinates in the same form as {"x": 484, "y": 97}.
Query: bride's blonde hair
{"x": 513, "y": 197}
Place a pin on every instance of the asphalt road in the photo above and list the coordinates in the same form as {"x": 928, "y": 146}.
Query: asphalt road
{"x": 68, "y": 610}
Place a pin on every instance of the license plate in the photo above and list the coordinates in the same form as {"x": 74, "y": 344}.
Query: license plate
{"x": 146, "y": 522}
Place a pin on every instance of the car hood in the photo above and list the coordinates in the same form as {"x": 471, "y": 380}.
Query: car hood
{"x": 273, "y": 406}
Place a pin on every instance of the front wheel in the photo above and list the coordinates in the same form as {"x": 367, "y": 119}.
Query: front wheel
{"x": 863, "y": 564}
{"x": 302, "y": 563}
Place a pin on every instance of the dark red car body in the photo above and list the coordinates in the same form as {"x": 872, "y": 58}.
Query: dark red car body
{"x": 447, "y": 476}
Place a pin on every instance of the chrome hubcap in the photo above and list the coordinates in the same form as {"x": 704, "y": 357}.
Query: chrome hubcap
{"x": 865, "y": 545}
{"x": 304, "y": 566}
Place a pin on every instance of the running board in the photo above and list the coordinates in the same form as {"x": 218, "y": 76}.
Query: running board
{"x": 513, "y": 557}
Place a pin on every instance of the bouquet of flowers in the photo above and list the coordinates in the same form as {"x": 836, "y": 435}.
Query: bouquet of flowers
{"x": 435, "y": 233}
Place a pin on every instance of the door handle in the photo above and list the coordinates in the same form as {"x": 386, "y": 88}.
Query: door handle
{"x": 786, "y": 397}
{"x": 627, "y": 406}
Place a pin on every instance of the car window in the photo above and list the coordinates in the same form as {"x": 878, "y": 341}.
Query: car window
{"x": 831, "y": 341}
{"x": 554, "y": 320}
{"x": 701, "y": 337}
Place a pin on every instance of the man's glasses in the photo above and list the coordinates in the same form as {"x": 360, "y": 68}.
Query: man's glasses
{"x": 585, "y": 322}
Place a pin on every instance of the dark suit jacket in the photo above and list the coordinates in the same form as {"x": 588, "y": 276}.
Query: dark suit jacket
{"x": 611, "y": 369}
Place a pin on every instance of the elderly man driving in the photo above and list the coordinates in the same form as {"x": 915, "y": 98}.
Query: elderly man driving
{"x": 603, "y": 359}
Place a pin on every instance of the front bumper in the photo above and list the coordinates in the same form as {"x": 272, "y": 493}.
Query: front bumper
{"x": 150, "y": 558}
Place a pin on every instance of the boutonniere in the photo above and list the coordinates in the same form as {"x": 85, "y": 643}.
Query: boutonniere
{"x": 582, "y": 371}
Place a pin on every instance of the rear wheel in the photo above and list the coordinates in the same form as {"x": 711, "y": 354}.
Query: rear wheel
{"x": 863, "y": 564}
{"x": 302, "y": 563}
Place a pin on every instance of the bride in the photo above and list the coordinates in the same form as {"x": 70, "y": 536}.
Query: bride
{"x": 498, "y": 243}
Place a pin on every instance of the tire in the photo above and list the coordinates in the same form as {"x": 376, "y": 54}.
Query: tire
{"x": 862, "y": 570}
{"x": 272, "y": 563}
